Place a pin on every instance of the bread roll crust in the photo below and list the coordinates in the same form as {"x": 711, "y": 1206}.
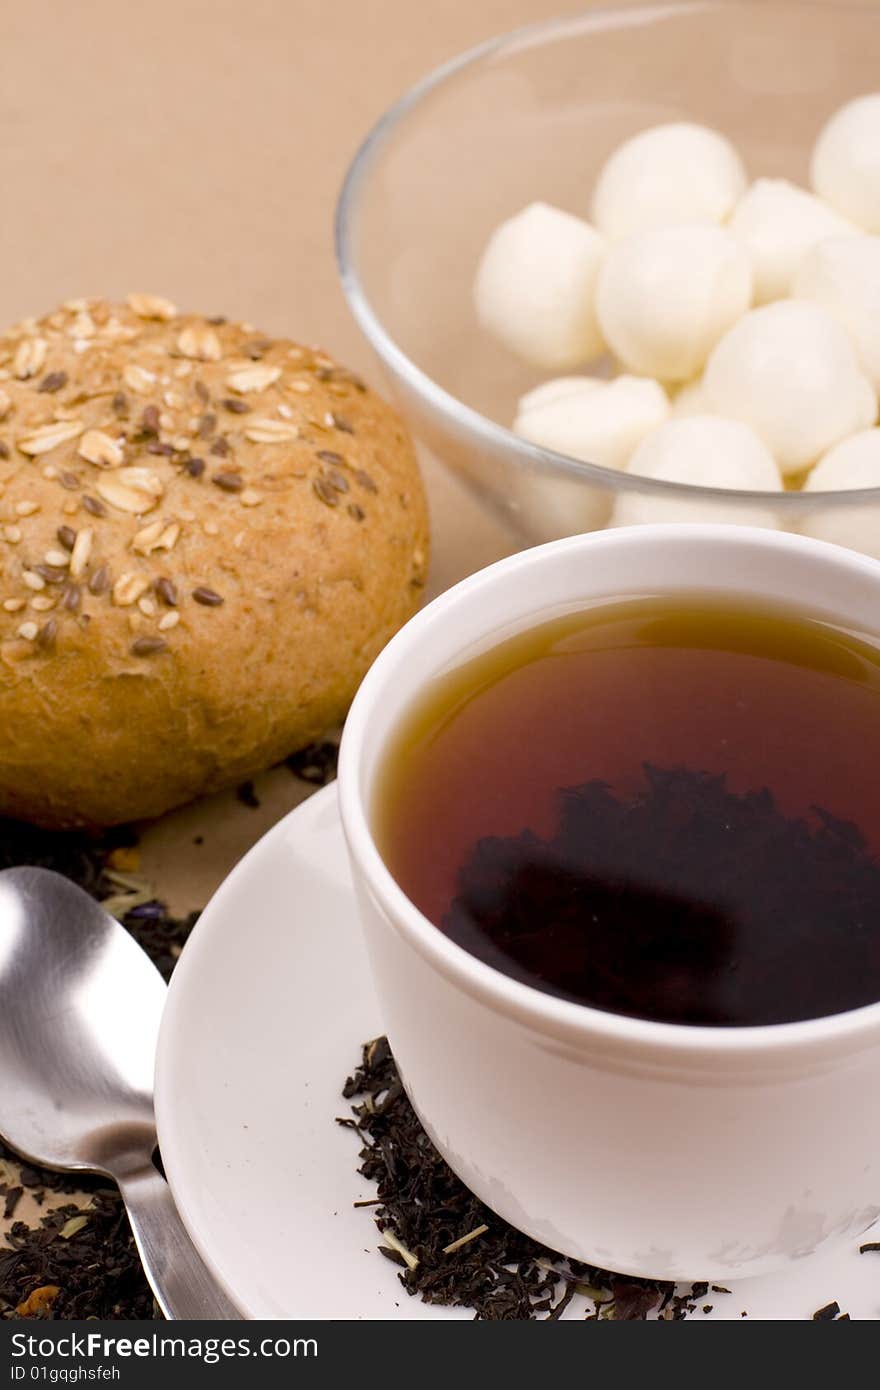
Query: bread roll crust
{"x": 206, "y": 536}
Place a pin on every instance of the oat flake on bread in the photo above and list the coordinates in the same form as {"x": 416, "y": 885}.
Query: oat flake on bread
{"x": 206, "y": 536}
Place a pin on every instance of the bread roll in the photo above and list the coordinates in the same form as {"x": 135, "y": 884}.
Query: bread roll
{"x": 206, "y": 537}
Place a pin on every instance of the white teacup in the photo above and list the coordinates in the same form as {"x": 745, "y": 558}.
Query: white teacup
{"x": 647, "y": 1148}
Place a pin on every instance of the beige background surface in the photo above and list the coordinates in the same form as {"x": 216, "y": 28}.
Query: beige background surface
{"x": 194, "y": 148}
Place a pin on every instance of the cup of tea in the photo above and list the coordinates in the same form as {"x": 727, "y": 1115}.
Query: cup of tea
{"x": 613, "y": 811}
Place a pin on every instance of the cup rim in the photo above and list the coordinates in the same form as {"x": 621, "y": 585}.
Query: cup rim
{"x": 564, "y": 1020}
{"x": 484, "y": 431}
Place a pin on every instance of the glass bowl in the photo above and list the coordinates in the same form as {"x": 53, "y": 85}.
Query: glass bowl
{"x": 533, "y": 115}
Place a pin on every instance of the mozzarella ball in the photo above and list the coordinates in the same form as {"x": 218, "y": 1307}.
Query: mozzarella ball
{"x": 670, "y": 173}
{"x": 845, "y": 169}
{"x": 843, "y": 275}
{"x": 708, "y": 451}
{"x": 536, "y": 287}
{"x": 704, "y": 451}
{"x": 789, "y": 371}
{"x": 778, "y": 223}
{"x": 690, "y": 400}
{"x": 601, "y": 425}
{"x": 666, "y": 296}
{"x": 591, "y": 420}
{"x": 547, "y": 506}
{"x": 854, "y": 463}
{"x": 555, "y": 390}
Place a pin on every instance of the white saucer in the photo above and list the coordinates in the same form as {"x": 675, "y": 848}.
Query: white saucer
{"x": 266, "y": 1013}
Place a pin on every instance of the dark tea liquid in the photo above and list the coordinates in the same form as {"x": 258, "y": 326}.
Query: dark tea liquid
{"x": 667, "y": 808}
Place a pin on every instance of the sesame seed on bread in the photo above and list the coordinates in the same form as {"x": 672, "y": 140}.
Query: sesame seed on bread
{"x": 206, "y": 536}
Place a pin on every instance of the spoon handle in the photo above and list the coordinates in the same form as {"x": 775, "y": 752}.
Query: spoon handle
{"x": 183, "y": 1287}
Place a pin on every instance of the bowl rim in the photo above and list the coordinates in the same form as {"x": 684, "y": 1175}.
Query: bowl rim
{"x": 485, "y": 431}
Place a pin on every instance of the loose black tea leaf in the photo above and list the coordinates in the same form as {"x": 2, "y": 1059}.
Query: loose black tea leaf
{"x": 12, "y": 1198}
{"x": 95, "y": 1272}
{"x": 315, "y": 764}
{"x": 428, "y": 1213}
{"x": 424, "y": 1214}
{"x": 826, "y": 1314}
{"x": 633, "y": 1301}
{"x": 246, "y": 794}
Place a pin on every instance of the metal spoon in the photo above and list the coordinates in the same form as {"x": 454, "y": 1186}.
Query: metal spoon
{"x": 80, "y": 1005}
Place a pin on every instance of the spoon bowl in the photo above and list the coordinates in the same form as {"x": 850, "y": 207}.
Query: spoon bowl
{"x": 79, "y": 1023}
{"x": 78, "y": 1031}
